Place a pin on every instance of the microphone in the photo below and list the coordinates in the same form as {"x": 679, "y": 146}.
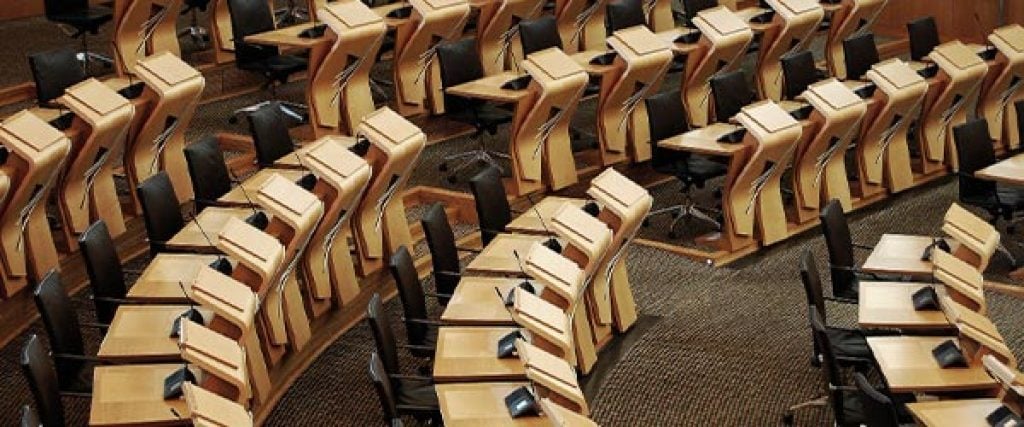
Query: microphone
{"x": 257, "y": 219}
{"x": 307, "y": 181}
{"x": 936, "y": 243}
{"x": 525, "y": 284}
{"x": 192, "y": 314}
{"x": 221, "y": 264}
{"x": 551, "y": 242}
{"x": 507, "y": 344}
{"x": 174, "y": 383}
{"x": 361, "y": 147}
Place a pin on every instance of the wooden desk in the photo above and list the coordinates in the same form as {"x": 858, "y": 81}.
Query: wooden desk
{"x": 1009, "y": 171}
{"x": 705, "y": 141}
{"x": 889, "y": 305}
{"x": 498, "y": 257}
{"x": 909, "y": 367}
{"x": 384, "y": 10}
{"x": 159, "y": 281}
{"x": 134, "y": 395}
{"x": 140, "y": 333}
{"x": 252, "y": 185}
{"x": 211, "y": 221}
{"x": 470, "y": 354}
{"x": 900, "y": 254}
{"x": 489, "y": 88}
{"x": 474, "y": 302}
{"x": 954, "y": 413}
{"x": 529, "y": 222}
{"x": 476, "y": 404}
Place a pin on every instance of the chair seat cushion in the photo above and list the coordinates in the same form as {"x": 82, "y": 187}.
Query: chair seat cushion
{"x": 414, "y": 392}
{"x": 486, "y": 116}
{"x": 848, "y": 343}
{"x": 701, "y": 168}
{"x": 86, "y": 19}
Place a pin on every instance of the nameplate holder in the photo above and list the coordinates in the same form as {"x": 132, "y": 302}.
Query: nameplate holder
{"x": 925, "y": 299}
{"x": 174, "y": 383}
{"x": 507, "y": 345}
{"x": 948, "y": 355}
{"x": 521, "y": 403}
{"x": 1003, "y": 417}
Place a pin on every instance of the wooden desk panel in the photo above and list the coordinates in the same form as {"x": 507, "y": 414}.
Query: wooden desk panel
{"x": 1009, "y": 171}
{"x": 212, "y": 221}
{"x": 529, "y": 222}
{"x": 475, "y": 303}
{"x": 954, "y": 413}
{"x": 489, "y": 88}
{"x": 470, "y": 354}
{"x": 134, "y": 395}
{"x": 476, "y": 404}
{"x": 159, "y": 281}
{"x": 288, "y": 37}
{"x": 140, "y": 333}
{"x": 889, "y": 305}
{"x": 498, "y": 257}
{"x": 252, "y": 184}
{"x": 705, "y": 141}
{"x": 909, "y": 367}
{"x": 900, "y": 254}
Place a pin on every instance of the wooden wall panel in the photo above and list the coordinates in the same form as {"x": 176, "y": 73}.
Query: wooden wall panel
{"x": 970, "y": 21}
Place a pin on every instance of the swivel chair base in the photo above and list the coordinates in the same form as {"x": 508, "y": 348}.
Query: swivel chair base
{"x": 479, "y": 155}
{"x": 299, "y": 113}
{"x": 199, "y": 35}
{"x": 291, "y": 14}
{"x": 85, "y": 56}
{"x": 682, "y": 211}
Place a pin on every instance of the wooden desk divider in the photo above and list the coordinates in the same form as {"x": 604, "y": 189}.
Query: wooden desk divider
{"x": 640, "y": 65}
{"x": 755, "y": 197}
{"x": 963, "y": 282}
{"x": 791, "y": 30}
{"x": 174, "y": 89}
{"x": 415, "y": 71}
{"x": 978, "y": 239}
{"x": 978, "y": 335}
{"x": 581, "y": 24}
{"x": 883, "y": 150}
{"x": 724, "y": 40}
{"x": 562, "y": 416}
{"x": 327, "y": 267}
{"x": 86, "y": 191}
{"x": 660, "y": 16}
{"x": 1003, "y": 89}
{"x": 208, "y": 409}
{"x": 295, "y": 215}
{"x": 340, "y": 90}
{"x": 37, "y": 155}
{"x": 221, "y": 360}
{"x": 235, "y": 307}
{"x": 854, "y": 17}
{"x": 819, "y": 172}
{"x": 1012, "y": 381}
{"x": 497, "y": 38}
{"x": 624, "y": 204}
{"x": 221, "y": 36}
{"x": 380, "y": 225}
{"x": 552, "y": 377}
{"x": 546, "y": 325}
{"x": 143, "y": 28}
{"x": 961, "y": 73}
{"x": 541, "y": 152}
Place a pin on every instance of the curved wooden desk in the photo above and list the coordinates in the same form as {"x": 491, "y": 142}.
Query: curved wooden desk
{"x": 853, "y": 17}
{"x": 724, "y": 40}
{"x": 415, "y": 74}
{"x": 1005, "y": 88}
{"x": 144, "y": 28}
{"x": 961, "y": 73}
{"x": 791, "y": 30}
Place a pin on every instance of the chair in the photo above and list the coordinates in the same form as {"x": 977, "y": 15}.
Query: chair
{"x": 663, "y": 114}
{"x": 539, "y": 34}
{"x": 270, "y": 138}
{"x": 421, "y": 330}
{"x": 208, "y": 172}
{"x": 460, "y": 63}
{"x": 975, "y": 151}
{"x": 29, "y": 417}
{"x": 691, "y": 7}
{"x": 444, "y": 254}
{"x": 798, "y": 72}
{"x": 53, "y": 72}
{"x": 106, "y": 278}
{"x": 160, "y": 211}
{"x": 860, "y": 53}
{"x": 84, "y": 19}
{"x": 194, "y": 31}
{"x": 848, "y": 345}
{"x": 384, "y": 336}
{"x": 622, "y": 14}
{"x": 731, "y": 92}
{"x": 878, "y": 409}
{"x": 398, "y": 398}
{"x": 924, "y": 37}
{"x": 493, "y": 211}
{"x": 251, "y": 17}
{"x": 73, "y": 367}
{"x": 42, "y": 381}
{"x": 842, "y": 266}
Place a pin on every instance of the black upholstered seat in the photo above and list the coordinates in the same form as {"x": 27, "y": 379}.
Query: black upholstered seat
{"x": 54, "y": 71}
{"x": 208, "y": 172}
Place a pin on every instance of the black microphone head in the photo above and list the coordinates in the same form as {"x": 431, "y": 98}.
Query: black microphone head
{"x": 307, "y": 182}
{"x": 552, "y": 243}
{"x": 174, "y": 383}
{"x": 258, "y": 220}
{"x": 527, "y": 286}
{"x": 592, "y": 208}
{"x": 222, "y": 265}
{"x": 361, "y": 147}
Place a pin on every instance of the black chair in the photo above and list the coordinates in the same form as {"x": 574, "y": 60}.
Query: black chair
{"x": 84, "y": 19}
{"x": 1019, "y": 107}
{"x": 208, "y": 172}
{"x": 160, "y": 211}
{"x": 251, "y": 17}
{"x": 622, "y": 14}
{"x": 106, "y": 278}
{"x": 73, "y": 366}
{"x": 924, "y": 37}
{"x": 460, "y": 63}
{"x": 878, "y": 409}
{"x": 860, "y": 54}
{"x": 731, "y": 92}
{"x": 384, "y": 336}
{"x": 799, "y": 72}
{"x": 199, "y": 35}
{"x": 848, "y": 345}
{"x": 539, "y": 34}
{"x": 663, "y": 114}
{"x": 842, "y": 265}
{"x": 42, "y": 381}
{"x": 268, "y": 126}
{"x": 975, "y": 151}
{"x": 444, "y": 254}
{"x": 420, "y": 329}
{"x": 29, "y": 417}
{"x": 493, "y": 211}
{"x": 403, "y": 398}
{"x": 691, "y": 7}
{"x": 53, "y": 72}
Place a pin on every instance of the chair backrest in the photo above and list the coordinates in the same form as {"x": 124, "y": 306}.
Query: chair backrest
{"x": 270, "y": 138}
{"x": 385, "y": 391}
{"x": 209, "y": 173}
{"x": 539, "y": 34}
{"x": 974, "y": 151}
{"x": 54, "y": 71}
{"x": 460, "y": 63}
{"x": 29, "y": 417}
{"x": 860, "y": 53}
{"x": 829, "y": 367}
{"x": 61, "y": 323}
{"x": 878, "y": 409}
{"x": 798, "y": 72}
{"x": 924, "y": 37}
{"x": 410, "y": 290}
{"x": 731, "y": 92}
{"x": 444, "y": 255}
{"x": 691, "y": 7}
{"x": 383, "y": 335}
{"x": 663, "y": 112}
{"x": 492, "y": 209}
{"x": 250, "y": 17}
{"x": 104, "y": 268}
{"x": 622, "y": 14}
{"x": 811, "y": 280}
{"x": 840, "y": 247}
{"x": 160, "y": 210}
{"x": 59, "y": 7}
{"x": 42, "y": 381}
{"x": 1019, "y": 107}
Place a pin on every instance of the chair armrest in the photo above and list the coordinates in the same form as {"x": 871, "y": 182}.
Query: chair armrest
{"x": 111, "y": 300}
{"x": 419, "y": 408}
{"x": 437, "y": 295}
{"x": 471, "y": 250}
{"x": 79, "y": 357}
{"x": 417, "y": 347}
{"x": 95, "y": 325}
{"x": 410, "y": 377}
{"x": 76, "y": 395}
{"x": 447, "y": 273}
{"x": 840, "y": 300}
{"x": 863, "y": 247}
{"x": 424, "y": 322}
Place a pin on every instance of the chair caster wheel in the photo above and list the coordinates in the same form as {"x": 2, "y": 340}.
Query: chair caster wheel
{"x": 443, "y": 167}
{"x": 452, "y": 179}
{"x": 233, "y": 120}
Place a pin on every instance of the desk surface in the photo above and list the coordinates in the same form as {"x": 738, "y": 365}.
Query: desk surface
{"x": 140, "y": 333}
{"x": 133, "y": 395}
{"x": 909, "y": 367}
{"x": 252, "y": 184}
{"x": 888, "y": 305}
{"x": 498, "y": 257}
{"x": 1008, "y": 171}
{"x": 704, "y": 141}
{"x": 470, "y": 354}
{"x": 489, "y": 88}
{"x": 159, "y": 281}
{"x": 900, "y": 254}
{"x": 476, "y": 404}
{"x": 211, "y": 221}
{"x": 954, "y": 413}
{"x": 583, "y": 59}
{"x": 529, "y": 222}
{"x": 288, "y": 37}
{"x": 474, "y": 302}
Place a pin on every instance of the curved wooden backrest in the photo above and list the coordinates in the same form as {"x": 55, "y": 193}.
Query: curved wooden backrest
{"x": 961, "y": 73}
{"x": 1007, "y": 87}
{"x": 581, "y": 24}
{"x": 792, "y": 30}
{"x": 496, "y": 39}
{"x": 432, "y": 22}
{"x": 882, "y": 150}
{"x": 854, "y": 17}
{"x": 724, "y": 40}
